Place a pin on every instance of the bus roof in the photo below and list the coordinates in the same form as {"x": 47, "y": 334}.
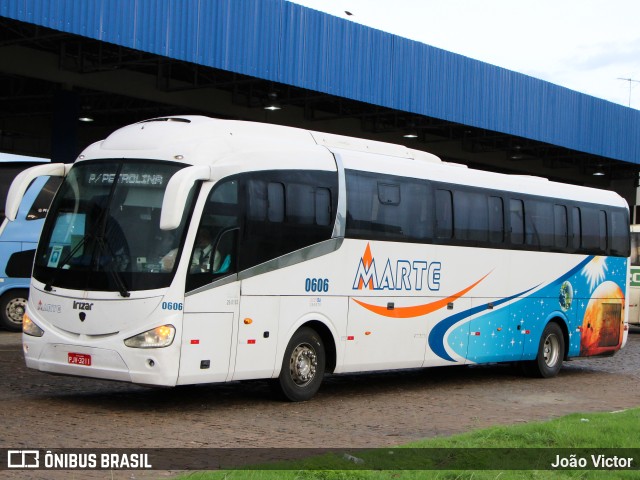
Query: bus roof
{"x": 199, "y": 140}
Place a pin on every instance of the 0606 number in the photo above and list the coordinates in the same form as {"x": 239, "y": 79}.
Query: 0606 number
{"x": 316, "y": 285}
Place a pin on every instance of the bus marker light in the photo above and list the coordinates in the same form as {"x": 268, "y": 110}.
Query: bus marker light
{"x": 477, "y": 334}
{"x": 499, "y": 329}
{"x": 527, "y": 332}
{"x": 350, "y": 337}
{"x": 248, "y": 321}
{"x": 251, "y": 342}
{"x": 195, "y": 342}
{"x": 367, "y": 333}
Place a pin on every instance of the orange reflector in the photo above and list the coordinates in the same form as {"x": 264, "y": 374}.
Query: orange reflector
{"x": 500, "y": 329}
{"x": 367, "y": 333}
{"x": 248, "y": 321}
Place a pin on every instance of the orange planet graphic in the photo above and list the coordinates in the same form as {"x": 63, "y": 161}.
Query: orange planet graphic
{"x": 602, "y": 324}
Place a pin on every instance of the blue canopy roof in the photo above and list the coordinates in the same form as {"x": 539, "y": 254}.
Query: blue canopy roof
{"x": 284, "y": 42}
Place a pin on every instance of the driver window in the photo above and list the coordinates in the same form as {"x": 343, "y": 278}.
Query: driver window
{"x": 214, "y": 251}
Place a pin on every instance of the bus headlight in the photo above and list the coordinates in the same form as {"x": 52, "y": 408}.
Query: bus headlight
{"x": 155, "y": 338}
{"x": 31, "y": 328}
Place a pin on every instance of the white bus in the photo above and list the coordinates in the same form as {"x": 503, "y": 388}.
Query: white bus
{"x": 332, "y": 254}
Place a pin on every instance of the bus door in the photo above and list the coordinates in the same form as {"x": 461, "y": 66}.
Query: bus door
{"x": 212, "y": 297}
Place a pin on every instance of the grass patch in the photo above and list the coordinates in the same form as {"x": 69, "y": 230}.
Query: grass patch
{"x": 596, "y": 432}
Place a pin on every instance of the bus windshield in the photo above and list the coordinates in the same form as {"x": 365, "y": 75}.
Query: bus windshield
{"x": 103, "y": 229}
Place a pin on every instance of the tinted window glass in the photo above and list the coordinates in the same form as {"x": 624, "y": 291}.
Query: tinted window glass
{"x": 538, "y": 223}
{"x": 275, "y": 202}
{"x": 323, "y": 206}
{"x": 560, "y": 227}
{"x": 393, "y": 209}
{"x": 471, "y": 219}
{"x": 300, "y": 203}
{"x": 444, "y": 214}
{"x": 576, "y": 228}
{"x": 292, "y": 210}
{"x": 213, "y": 254}
{"x": 516, "y": 219}
{"x": 619, "y": 233}
{"x": 496, "y": 220}
{"x": 388, "y": 194}
{"x": 594, "y": 230}
{"x": 257, "y": 200}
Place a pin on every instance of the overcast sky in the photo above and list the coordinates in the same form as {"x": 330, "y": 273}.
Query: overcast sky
{"x": 585, "y": 45}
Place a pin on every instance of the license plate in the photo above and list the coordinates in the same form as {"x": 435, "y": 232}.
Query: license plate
{"x": 79, "y": 359}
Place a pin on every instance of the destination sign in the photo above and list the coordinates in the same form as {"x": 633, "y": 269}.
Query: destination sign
{"x": 141, "y": 179}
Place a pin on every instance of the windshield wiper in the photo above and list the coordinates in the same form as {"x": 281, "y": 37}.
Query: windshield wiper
{"x": 115, "y": 275}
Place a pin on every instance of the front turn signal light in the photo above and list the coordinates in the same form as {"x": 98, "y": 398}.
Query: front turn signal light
{"x": 30, "y": 328}
{"x": 155, "y": 338}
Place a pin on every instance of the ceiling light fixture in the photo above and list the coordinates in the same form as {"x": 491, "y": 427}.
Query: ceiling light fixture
{"x": 411, "y": 134}
{"x": 85, "y": 114}
{"x": 272, "y": 102}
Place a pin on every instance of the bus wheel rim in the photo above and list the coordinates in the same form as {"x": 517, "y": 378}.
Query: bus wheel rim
{"x": 551, "y": 350}
{"x": 303, "y": 364}
{"x": 15, "y": 310}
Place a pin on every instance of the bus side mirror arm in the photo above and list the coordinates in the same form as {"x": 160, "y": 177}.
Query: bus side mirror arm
{"x": 175, "y": 197}
{"x": 23, "y": 180}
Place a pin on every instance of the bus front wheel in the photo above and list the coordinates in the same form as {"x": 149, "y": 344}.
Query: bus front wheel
{"x": 302, "y": 366}
{"x": 550, "y": 354}
{"x": 12, "y": 307}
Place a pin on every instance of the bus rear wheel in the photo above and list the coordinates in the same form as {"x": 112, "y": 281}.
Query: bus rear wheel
{"x": 550, "y": 354}
{"x": 12, "y": 307}
{"x": 303, "y": 366}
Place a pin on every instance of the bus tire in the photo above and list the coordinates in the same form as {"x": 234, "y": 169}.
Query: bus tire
{"x": 302, "y": 366}
{"x": 550, "y": 354}
{"x": 12, "y": 307}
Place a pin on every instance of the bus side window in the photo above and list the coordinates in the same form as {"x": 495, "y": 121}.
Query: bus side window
{"x": 576, "y": 228}
{"x": 496, "y": 220}
{"x": 516, "y": 220}
{"x": 539, "y": 224}
{"x": 619, "y": 229}
{"x": 594, "y": 230}
{"x": 444, "y": 214}
{"x": 560, "y": 227}
{"x": 471, "y": 216}
{"x": 214, "y": 251}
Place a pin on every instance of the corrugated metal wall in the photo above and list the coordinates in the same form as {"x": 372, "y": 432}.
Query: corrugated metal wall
{"x": 284, "y": 42}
